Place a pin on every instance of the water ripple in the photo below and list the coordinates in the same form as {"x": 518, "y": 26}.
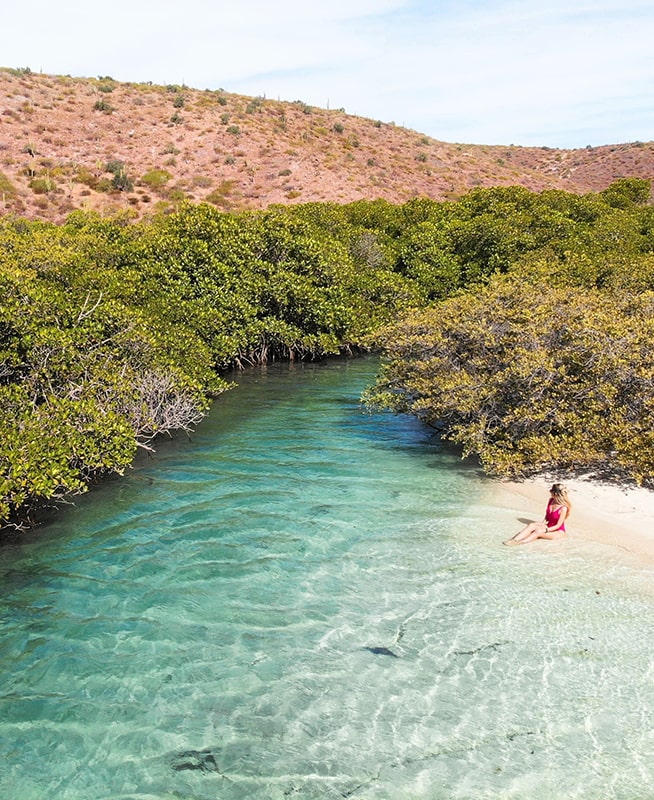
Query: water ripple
{"x": 308, "y": 601}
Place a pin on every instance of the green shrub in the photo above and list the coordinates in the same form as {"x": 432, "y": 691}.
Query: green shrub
{"x": 42, "y": 185}
{"x": 85, "y": 176}
{"x": 156, "y": 178}
{"x": 176, "y": 195}
{"x": 104, "y": 106}
{"x": 122, "y": 183}
{"x": 114, "y": 166}
{"x": 6, "y": 186}
{"x": 120, "y": 180}
{"x": 221, "y": 191}
{"x": 254, "y": 105}
{"x": 202, "y": 181}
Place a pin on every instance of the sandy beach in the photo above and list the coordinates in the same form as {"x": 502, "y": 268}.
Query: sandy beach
{"x": 612, "y": 515}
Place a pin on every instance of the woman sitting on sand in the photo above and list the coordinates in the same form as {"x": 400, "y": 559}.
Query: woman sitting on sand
{"x": 553, "y": 526}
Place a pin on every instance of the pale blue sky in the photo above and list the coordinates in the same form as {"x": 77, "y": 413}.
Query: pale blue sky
{"x": 564, "y": 73}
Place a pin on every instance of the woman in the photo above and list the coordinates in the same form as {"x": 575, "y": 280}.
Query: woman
{"x": 553, "y": 526}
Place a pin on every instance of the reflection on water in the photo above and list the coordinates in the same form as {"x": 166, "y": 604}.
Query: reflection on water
{"x": 308, "y": 601}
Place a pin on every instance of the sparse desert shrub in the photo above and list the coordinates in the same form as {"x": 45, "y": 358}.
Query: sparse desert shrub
{"x": 203, "y": 181}
{"x": 156, "y": 178}
{"x": 103, "y": 185}
{"x": 284, "y": 172}
{"x": 338, "y": 127}
{"x": 176, "y": 118}
{"x": 219, "y": 195}
{"x": 230, "y": 160}
{"x": 104, "y": 106}
{"x": 114, "y": 166}
{"x": 170, "y": 148}
{"x": 85, "y": 176}
{"x": 43, "y": 184}
{"x": 234, "y": 130}
{"x": 224, "y": 118}
{"x": 254, "y": 105}
{"x": 176, "y": 195}
{"x": 120, "y": 181}
{"x": 6, "y": 186}
{"x": 422, "y": 157}
{"x": 178, "y": 102}
{"x": 107, "y": 88}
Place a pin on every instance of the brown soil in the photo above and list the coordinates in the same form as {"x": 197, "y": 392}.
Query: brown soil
{"x": 58, "y": 134}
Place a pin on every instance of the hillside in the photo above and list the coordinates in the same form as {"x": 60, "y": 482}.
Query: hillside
{"x": 68, "y": 143}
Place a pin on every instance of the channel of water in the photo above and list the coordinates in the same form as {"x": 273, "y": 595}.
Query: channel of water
{"x": 306, "y": 600}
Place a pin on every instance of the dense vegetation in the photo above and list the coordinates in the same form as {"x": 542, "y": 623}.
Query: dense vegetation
{"x": 526, "y": 333}
{"x": 546, "y": 360}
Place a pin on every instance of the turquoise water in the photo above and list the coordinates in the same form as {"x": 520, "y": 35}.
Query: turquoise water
{"x": 308, "y": 601}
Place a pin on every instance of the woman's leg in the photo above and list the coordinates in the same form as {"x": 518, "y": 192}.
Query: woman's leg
{"x": 528, "y": 533}
{"x": 544, "y": 535}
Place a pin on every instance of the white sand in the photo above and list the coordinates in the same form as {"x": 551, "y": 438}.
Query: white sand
{"x": 621, "y": 517}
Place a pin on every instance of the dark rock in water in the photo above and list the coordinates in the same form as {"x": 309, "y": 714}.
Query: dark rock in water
{"x": 381, "y": 651}
{"x": 202, "y": 760}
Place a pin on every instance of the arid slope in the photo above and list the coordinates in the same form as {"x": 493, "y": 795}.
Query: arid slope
{"x": 68, "y": 143}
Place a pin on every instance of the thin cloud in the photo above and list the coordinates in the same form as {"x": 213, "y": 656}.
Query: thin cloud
{"x": 561, "y": 74}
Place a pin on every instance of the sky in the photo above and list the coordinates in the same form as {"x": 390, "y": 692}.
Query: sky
{"x": 563, "y": 73}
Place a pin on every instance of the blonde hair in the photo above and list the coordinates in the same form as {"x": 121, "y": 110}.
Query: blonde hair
{"x": 559, "y": 492}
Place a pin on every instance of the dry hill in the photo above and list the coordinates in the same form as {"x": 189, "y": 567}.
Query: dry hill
{"x": 69, "y": 143}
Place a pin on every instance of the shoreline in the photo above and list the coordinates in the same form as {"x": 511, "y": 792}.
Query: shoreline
{"x": 613, "y": 515}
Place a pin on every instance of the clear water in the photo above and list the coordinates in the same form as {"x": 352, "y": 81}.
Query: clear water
{"x": 216, "y": 624}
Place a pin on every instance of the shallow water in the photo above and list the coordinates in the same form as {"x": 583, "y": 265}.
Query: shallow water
{"x": 309, "y": 601}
